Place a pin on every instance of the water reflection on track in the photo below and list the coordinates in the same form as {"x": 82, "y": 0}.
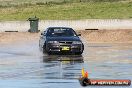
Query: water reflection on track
{"x": 62, "y": 66}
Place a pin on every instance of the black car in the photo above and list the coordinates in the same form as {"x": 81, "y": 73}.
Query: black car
{"x": 61, "y": 40}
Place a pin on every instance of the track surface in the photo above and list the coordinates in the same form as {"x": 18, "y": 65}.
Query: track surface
{"x": 24, "y": 66}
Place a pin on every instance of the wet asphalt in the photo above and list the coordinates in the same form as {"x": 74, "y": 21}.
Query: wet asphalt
{"x": 25, "y": 66}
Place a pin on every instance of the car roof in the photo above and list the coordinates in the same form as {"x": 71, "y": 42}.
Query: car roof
{"x": 59, "y": 27}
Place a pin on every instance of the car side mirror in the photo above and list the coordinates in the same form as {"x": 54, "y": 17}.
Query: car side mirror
{"x": 78, "y": 34}
{"x": 42, "y": 33}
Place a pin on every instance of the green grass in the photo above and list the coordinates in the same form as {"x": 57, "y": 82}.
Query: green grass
{"x": 65, "y": 10}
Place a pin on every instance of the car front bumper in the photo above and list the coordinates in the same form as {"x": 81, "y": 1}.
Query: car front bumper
{"x": 73, "y": 48}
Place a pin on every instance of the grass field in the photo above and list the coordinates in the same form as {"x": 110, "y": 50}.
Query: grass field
{"x": 64, "y": 9}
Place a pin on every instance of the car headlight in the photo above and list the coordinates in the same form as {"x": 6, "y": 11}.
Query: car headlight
{"x": 52, "y": 41}
{"x": 76, "y": 42}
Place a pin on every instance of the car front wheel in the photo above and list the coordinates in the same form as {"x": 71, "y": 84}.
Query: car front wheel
{"x": 44, "y": 48}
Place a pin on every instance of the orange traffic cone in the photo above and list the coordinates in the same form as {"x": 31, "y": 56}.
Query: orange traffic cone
{"x": 84, "y": 74}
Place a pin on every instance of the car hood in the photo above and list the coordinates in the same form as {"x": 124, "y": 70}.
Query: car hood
{"x": 73, "y": 38}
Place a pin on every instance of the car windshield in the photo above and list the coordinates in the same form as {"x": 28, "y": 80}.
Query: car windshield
{"x": 56, "y": 32}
